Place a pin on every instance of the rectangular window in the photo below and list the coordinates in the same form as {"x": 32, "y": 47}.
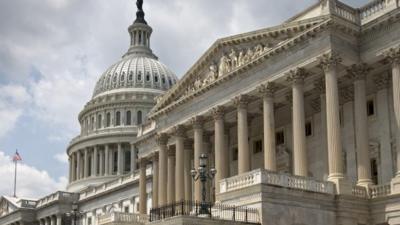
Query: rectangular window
{"x": 308, "y": 128}
{"x": 257, "y": 146}
{"x": 235, "y": 154}
{"x": 374, "y": 171}
{"x": 115, "y": 160}
{"x": 126, "y": 209}
{"x": 370, "y": 108}
{"x": 89, "y": 221}
{"x": 280, "y": 137}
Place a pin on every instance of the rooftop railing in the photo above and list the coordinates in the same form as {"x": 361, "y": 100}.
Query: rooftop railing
{"x": 59, "y": 195}
{"x": 206, "y": 210}
{"x": 123, "y": 218}
{"x": 260, "y": 176}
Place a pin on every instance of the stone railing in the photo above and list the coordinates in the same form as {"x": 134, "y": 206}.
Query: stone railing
{"x": 146, "y": 128}
{"x": 360, "y": 192}
{"x": 347, "y": 12}
{"x": 132, "y": 177}
{"x": 378, "y": 191}
{"x": 119, "y": 218}
{"x": 57, "y": 196}
{"x": 260, "y": 176}
{"x": 375, "y": 9}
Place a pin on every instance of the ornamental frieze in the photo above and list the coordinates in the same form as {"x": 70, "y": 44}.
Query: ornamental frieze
{"x": 226, "y": 64}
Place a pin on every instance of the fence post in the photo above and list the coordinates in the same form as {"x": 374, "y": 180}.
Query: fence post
{"x": 210, "y": 209}
{"x": 246, "y": 214}
{"x": 234, "y": 213}
{"x": 182, "y": 207}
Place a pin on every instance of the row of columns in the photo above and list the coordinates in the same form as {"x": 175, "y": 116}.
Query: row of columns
{"x": 329, "y": 64}
{"x": 51, "y": 220}
{"x": 101, "y": 162}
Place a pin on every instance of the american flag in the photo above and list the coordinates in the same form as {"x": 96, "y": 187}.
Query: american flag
{"x": 17, "y": 157}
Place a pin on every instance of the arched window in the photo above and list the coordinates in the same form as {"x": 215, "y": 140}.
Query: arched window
{"x": 139, "y": 117}
{"x": 108, "y": 122}
{"x": 170, "y": 82}
{"x": 163, "y": 79}
{"x": 156, "y": 78}
{"x": 123, "y": 77}
{"x": 118, "y": 118}
{"x": 131, "y": 75}
{"x": 148, "y": 76}
{"x": 128, "y": 118}
{"x": 92, "y": 123}
{"x": 139, "y": 76}
{"x": 99, "y": 121}
{"x": 115, "y": 78}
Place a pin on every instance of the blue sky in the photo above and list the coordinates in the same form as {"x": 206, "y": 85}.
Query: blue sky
{"x": 53, "y": 51}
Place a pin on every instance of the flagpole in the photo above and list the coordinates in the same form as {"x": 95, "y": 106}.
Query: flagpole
{"x": 15, "y": 179}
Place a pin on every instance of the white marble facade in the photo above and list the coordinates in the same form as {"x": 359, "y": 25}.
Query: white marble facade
{"x": 300, "y": 120}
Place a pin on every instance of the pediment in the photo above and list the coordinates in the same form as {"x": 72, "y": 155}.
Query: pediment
{"x": 231, "y": 54}
{"x": 6, "y": 206}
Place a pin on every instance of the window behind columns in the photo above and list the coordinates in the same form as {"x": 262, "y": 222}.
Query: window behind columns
{"x": 139, "y": 117}
{"x": 108, "y": 120}
{"x": 127, "y": 162}
{"x": 99, "y": 121}
{"x": 128, "y": 118}
{"x": 115, "y": 160}
{"x": 374, "y": 171}
{"x": 118, "y": 118}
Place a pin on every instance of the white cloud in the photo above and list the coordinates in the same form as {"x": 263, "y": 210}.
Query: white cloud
{"x": 62, "y": 157}
{"x": 13, "y": 99}
{"x": 31, "y": 182}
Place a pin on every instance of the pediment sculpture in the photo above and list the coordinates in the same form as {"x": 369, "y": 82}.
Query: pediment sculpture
{"x": 226, "y": 64}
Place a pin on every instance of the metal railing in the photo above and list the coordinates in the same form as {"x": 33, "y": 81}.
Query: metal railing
{"x": 119, "y": 217}
{"x": 206, "y": 210}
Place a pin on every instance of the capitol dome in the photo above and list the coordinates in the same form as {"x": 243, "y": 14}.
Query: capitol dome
{"x": 138, "y": 69}
{"x": 135, "y": 72}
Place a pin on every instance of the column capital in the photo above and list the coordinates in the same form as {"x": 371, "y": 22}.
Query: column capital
{"x": 392, "y": 55}
{"x": 346, "y": 94}
{"x": 268, "y": 89}
{"x": 218, "y": 112}
{"x": 319, "y": 85}
{"x": 382, "y": 81}
{"x": 241, "y": 101}
{"x": 143, "y": 162}
{"x": 358, "y": 71}
{"x": 162, "y": 139}
{"x": 197, "y": 122}
{"x": 179, "y": 131}
{"x": 297, "y": 76}
{"x": 154, "y": 157}
{"x": 329, "y": 60}
{"x": 289, "y": 97}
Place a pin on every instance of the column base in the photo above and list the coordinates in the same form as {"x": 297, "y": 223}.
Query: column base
{"x": 343, "y": 186}
{"x": 365, "y": 183}
{"x": 395, "y": 185}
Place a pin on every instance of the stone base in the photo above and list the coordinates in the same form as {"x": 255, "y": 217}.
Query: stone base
{"x": 395, "y": 185}
{"x": 343, "y": 186}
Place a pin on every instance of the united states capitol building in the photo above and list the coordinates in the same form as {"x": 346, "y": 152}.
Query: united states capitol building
{"x": 301, "y": 122}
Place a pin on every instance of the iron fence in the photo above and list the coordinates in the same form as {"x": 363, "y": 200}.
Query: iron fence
{"x": 208, "y": 210}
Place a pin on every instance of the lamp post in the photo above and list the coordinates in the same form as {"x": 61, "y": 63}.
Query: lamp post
{"x": 203, "y": 175}
{"x": 75, "y": 213}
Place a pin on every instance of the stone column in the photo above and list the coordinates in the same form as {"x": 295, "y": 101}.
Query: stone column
{"x": 171, "y": 177}
{"x": 300, "y": 165}
{"x": 188, "y": 145}
{"x": 155, "y": 186}
{"x": 197, "y": 123}
{"x": 221, "y": 151}
{"x": 58, "y": 219}
{"x": 133, "y": 158}
{"x": 358, "y": 74}
{"x": 269, "y": 125}
{"x": 101, "y": 167}
{"x": 162, "y": 140}
{"x": 393, "y": 56}
{"x": 78, "y": 165}
{"x": 86, "y": 163}
{"x": 73, "y": 165}
{"x": 142, "y": 187}
{"x": 120, "y": 160}
{"x": 179, "y": 132}
{"x": 52, "y": 220}
{"x": 319, "y": 86}
{"x": 95, "y": 162}
{"x": 382, "y": 99}
{"x": 241, "y": 103}
{"x": 329, "y": 64}
{"x": 106, "y": 160}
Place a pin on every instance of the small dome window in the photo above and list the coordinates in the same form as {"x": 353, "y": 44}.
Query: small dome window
{"x": 123, "y": 77}
{"x": 170, "y": 81}
{"x": 163, "y": 79}
{"x": 156, "y": 78}
{"x": 139, "y": 77}
{"x": 115, "y": 78}
{"x": 131, "y": 75}
{"x": 148, "y": 76}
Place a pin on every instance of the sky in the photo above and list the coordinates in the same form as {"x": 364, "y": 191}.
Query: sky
{"x": 53, "y": 51}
